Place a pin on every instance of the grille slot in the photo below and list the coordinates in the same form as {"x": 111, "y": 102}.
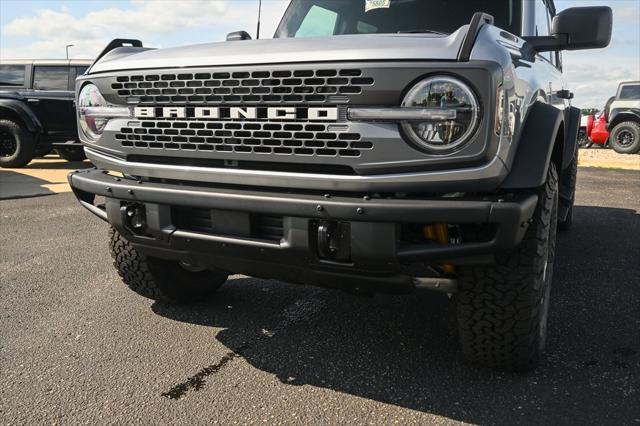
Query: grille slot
{"x": 267, "y": 227}
{"x": 299, "y": 86}
{"x": 192, "y": 219}
{"x": 201, "y": 220}
{"x": 243, "y": 137}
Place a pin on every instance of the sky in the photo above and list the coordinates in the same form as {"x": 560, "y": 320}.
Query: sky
{"x": 42, "y": 28}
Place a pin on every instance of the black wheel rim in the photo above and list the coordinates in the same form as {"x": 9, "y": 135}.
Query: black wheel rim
{"x": 625, "y": 138}
{"x": 8, "y": 144}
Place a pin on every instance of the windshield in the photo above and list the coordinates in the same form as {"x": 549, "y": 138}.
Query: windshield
{"x": 321, "y": 18}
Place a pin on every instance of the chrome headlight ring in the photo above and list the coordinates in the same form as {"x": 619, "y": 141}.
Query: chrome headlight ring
{"x": 442, "y": 135}
{"x": 94, "y": 112}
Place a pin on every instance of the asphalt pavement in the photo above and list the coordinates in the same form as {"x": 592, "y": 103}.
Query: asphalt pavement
{"x": 76, "y": 346}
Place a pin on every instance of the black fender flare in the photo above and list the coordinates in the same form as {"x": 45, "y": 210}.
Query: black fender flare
{"x": 23, "y": 112}
{"x": 535, "y": 147}
{"x": 571, "y": 129}
{"x": 619, "y": 115}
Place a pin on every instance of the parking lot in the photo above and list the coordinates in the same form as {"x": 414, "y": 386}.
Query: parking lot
{"x": 76, "y": 346}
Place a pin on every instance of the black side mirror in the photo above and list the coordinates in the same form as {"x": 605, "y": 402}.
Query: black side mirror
{"x": 577, "y": 28}
{"x": 238, "y": 35}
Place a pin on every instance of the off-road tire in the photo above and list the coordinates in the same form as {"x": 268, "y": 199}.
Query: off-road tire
{"x": 567, "y": 192}
{"x": 160, "y": 279}
{"x": 23, "y": 145}
{"x": 502, "y": 308}
{"x": 71, "y": 154}
{"x": 634, "y": 131}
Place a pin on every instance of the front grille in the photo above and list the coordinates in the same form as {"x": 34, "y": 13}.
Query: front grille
{"x": 256, "y": 87}
{"x": 323, "y": 140}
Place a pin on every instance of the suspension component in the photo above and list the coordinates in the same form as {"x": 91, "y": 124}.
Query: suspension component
{"x": 439, "y": 233}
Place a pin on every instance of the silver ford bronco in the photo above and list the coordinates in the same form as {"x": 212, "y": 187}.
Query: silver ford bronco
{"x": 371, "y": 146}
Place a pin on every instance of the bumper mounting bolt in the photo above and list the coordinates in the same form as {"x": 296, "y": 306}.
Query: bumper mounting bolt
{"x": 130, "y": 191}
{"x": 319, "y": 208}
{"x": 327, "y": 195}
{"x": 360, "y": 210}
{"x": 108, "y": 189}
{"x": 367, "y": 198}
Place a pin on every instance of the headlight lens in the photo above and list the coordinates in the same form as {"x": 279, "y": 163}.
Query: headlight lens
{"x": 445, "y": 93}
{"x": 94, "y": 112}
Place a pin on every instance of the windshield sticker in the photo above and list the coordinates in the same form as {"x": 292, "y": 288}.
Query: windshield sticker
{"x": 376, "y": 4}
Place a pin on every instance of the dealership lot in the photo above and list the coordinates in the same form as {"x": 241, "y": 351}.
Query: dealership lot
{"x": 77, "y": 347}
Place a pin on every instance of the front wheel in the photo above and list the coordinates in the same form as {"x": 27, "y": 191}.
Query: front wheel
{"x": 502, "y": 308}
{"x": 160, "y": 279}
{"x": 17, "y": 145}
{"x": 625, "y": 138}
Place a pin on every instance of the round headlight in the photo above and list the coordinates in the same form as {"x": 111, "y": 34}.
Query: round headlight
{"x": 442, "y": 93}
{"x": 90, "y": 100}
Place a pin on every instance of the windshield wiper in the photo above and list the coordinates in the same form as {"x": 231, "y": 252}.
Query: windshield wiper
{"x": 421, "y": 31}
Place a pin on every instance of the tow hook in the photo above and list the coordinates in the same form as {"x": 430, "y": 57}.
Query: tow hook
{"x": 135, "y": 218}
{"x": 334, "y": 241}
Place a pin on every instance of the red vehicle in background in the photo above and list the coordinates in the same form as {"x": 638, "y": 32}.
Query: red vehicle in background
{"x": 593, "y": 129}
{"x": 596, "y": 131}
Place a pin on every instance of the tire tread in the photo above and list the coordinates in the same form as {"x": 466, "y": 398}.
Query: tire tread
{"x": 498, "y": 306}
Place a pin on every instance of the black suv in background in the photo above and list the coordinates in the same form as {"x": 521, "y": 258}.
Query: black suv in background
{"x": 37, "y": 110}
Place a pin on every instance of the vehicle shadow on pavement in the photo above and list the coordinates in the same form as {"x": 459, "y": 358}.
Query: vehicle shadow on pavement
{"x": 403, "y": 350}
{"x": 55, "y": 163}
{"x": 18, "y": 185}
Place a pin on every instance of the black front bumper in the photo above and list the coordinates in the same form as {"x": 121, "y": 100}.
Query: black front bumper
{"x": 377, "y": 256}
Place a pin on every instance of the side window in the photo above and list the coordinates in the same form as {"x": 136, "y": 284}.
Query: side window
{"x": 51, "y": 78}
{"x": 630, "y": 92}
{"x": 542, "y": 23}
{"x": 319, "y": 22}
{"x": 12, "y": 75}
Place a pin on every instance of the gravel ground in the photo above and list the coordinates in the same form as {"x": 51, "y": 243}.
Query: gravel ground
{"x": 608, "y": 158}
{"x": 77, "y": 347}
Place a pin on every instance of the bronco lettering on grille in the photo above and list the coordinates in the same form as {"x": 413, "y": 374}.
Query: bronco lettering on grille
{"x": 239, "y": 113}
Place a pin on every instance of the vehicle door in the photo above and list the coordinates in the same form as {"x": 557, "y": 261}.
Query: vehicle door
{"x": 52, "y": 99}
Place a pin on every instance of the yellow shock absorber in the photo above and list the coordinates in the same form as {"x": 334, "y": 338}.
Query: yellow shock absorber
{"x": 429, "y": 232}
{"x": 442, "y": 233}
{"x": 439, "y": 233}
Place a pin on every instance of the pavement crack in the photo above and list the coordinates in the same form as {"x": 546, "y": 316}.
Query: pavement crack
{"x": 299, "y": 310}
{"x": 196, "y": 382}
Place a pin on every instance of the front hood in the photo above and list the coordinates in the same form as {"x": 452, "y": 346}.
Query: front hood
{"x": 289, "y": 50}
